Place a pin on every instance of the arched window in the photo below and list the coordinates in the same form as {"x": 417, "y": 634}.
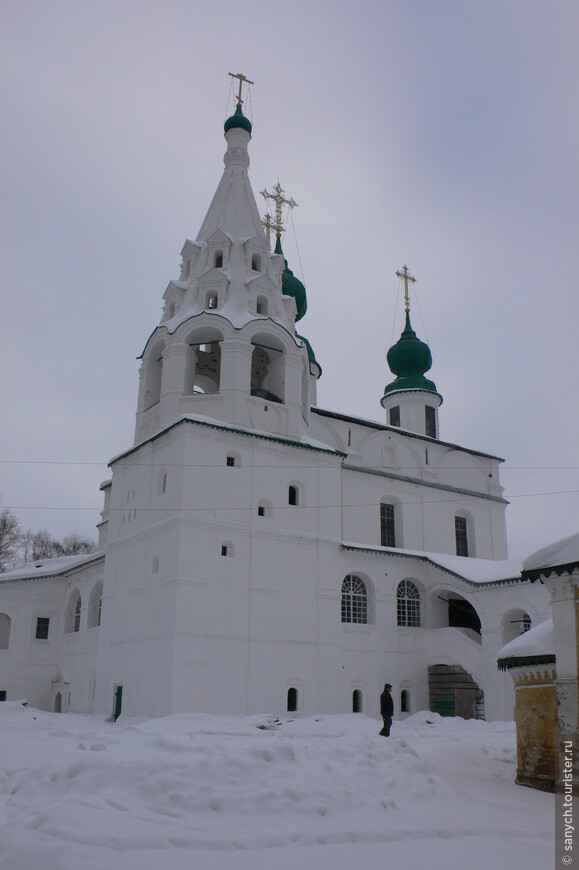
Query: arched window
{"x": 461, "y": 535}
{"x": 387, "y": 525}
{"x": 153, "y": 376}
{"x": 408, "y": 604}
{"x": 4, "y": 630}
{"x": 256, "y": 263}
{"x": 73, "y": 611}
{"x": 212, "y": 301}
{"x": 357, "y": 701}
{"x": 77, "y": 612}
{"x": 292, "y": 700}
{"x": 218, "y": 261}
{"x": 354, "y": 600}
{"x": 293, "y": 496}
{"x": 267, "y": 369}
{"x": 95, "y": 605}
{"x": 405, "y": 701}
{"x": 203, "y": 374}
{"x": 162, "y": 482}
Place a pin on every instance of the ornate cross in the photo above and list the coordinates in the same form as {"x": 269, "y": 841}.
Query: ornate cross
{"x": 278, "y": 198}
{"x": 406, "y": 277}
{"x": 242, "y": 79}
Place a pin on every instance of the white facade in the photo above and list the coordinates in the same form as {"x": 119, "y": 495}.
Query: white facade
{"x": 246, "y": 562}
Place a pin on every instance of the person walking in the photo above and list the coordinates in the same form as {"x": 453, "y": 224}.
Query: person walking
{"x": 386, "y": 710}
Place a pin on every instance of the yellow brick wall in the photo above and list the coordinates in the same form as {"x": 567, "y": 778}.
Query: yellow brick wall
{"x": 536, "y": 723}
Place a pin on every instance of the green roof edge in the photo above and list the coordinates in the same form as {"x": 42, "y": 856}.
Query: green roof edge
{"x": 525, "y": 661}
{"x": 222, "y": 428}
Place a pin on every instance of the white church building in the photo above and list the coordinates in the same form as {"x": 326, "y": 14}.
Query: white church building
{"x": 258, "y": 554}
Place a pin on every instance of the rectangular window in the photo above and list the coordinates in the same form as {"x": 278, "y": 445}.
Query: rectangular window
{"x": 224, "y": 550}
{"x": 394, "y": 415}
{"x": 2, "y": 694}
{"x": 42, "y": 625}
{"x": 261, "y": 511}
{"x": 231, "y": 461}
{"x": 387, "y": 528}
{"x": 460, "y": 536}
{"x": 430, "y": 421}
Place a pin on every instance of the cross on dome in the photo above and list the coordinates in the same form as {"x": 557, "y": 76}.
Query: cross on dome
{"x": 279, "y": 199}
{"x": 242, "y": 79}
{"x": 406, "y": 277}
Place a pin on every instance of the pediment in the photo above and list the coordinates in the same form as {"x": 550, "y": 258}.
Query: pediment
{"x": 213, "y": 278}
{"x": 218, "y": 238}
{"x": 190, "y": 249}
{"x": 174, "y": 288}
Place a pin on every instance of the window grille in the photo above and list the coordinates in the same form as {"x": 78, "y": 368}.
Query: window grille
{"x": 387, "y": 527}
{"x": 408, "y": 604}
{"x": 430, "y": 421}
{"x": 42, "y": 626}
{"x": 354, "y": 600}
{"x": 460, "y": 533}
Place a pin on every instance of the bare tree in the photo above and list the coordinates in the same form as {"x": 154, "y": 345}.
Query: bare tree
{"x": 75, "y": 544}
{"x": 10, "y": 538}
{"x": 41, "y": 545}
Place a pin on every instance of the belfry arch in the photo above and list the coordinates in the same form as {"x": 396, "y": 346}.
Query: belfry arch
{"x": 203, "y": 368}
{"x": 268, "y": 368}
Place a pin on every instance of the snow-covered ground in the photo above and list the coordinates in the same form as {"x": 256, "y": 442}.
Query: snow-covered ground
{"x": 222, "y": 793}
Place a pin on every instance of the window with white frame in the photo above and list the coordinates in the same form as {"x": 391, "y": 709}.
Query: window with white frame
{"x": 408, "y": 604}
{"x": 387, "y": 525}
{"x": 354, "y": 600}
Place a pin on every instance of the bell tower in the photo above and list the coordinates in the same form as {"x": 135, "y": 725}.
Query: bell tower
{"x": 227, "y": 347}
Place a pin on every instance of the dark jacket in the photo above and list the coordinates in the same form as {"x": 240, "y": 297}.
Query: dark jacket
{"x": 386, "y": 704}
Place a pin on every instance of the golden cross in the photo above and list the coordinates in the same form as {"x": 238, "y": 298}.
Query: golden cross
{"x": 242, "y": 79}
{"x": 269, "y": 226}
{"x": 278, "y": 198}
{"x": 406, "y": 277}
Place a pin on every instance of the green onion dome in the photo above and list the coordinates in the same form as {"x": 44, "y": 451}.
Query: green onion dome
{"x": 238, "y": 119}
{"x": 409, "y": 359}
{"x": 292, "y": 286}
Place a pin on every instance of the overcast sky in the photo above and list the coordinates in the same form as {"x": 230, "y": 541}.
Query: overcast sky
{"x": 439, "y": 134}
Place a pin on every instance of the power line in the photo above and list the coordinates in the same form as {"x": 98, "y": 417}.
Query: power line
{"x": 161, "y": 509}
{"x": 104, "y": 463}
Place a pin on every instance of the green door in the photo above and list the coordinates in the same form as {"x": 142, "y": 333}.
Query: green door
{"x": 118, "y": 702}
{"x": 444, "y": 705}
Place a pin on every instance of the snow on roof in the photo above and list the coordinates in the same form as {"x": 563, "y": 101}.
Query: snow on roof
{"x": 466, "y": 568}
{"x": 538, "y": 641}
{"x": 561, "y": 553}
{"x": 203, "y": 420}
{"x": 48, "y": 567}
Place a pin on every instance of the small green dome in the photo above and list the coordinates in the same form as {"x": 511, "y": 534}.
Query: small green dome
{"x": 292, "y": 286}
{"x": 409, "y": 359}
{"x": 238, "y": 119}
